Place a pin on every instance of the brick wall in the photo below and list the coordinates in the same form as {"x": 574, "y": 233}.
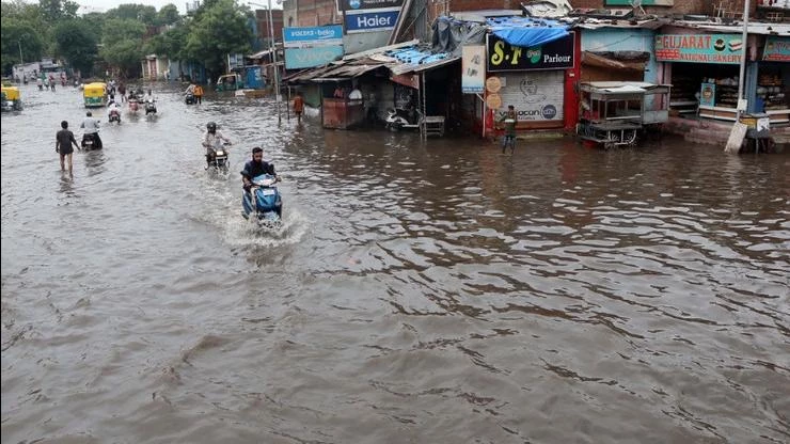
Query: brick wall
{"x": 317, "y": 12}
{"x": 262, "y": 19}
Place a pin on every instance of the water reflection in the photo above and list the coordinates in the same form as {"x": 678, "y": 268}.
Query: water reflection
{"x": 94, "y": 162}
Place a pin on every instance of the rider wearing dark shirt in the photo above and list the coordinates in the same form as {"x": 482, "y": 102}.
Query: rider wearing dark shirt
{"x": 256, "y": 167}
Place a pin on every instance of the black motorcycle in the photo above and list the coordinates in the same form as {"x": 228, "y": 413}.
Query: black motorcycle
{"x": 150, "y": 107}
{"x": 190, "y": 99}
{"x": 90, "y": 142}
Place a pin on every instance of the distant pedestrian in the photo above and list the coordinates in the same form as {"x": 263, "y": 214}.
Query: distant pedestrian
{"x": 509, "y": 119}
{"x": 198, "y": 91}
{"x": 298, "y": 107}
{"x": 63, "y": 142}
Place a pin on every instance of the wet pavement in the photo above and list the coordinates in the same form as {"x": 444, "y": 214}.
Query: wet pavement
{"x": 420, "y": 293}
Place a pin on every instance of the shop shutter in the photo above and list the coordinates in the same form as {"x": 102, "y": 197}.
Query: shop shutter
{"x": 538, "y": 97}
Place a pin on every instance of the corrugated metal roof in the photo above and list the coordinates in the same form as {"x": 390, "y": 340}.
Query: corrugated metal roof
{"x": 782, "y": 29}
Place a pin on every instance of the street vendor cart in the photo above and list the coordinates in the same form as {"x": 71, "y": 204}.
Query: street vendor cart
{"x": 615, "y": 113}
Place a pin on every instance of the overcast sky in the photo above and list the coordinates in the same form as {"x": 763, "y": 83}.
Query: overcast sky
{"x": 104, "y": 5}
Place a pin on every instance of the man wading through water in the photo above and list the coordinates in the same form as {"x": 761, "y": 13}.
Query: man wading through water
{"x": 509, "y": 119}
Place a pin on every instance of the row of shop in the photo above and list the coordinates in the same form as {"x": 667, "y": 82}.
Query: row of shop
{"x": 476, "y": 70}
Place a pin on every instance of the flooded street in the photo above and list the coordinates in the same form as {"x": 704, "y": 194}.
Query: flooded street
{"x": 437, "y": 293}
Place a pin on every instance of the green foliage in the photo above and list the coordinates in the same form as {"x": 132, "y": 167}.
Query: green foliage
{"x": 58, "y": 10}
{"x": 220, "y": 29}
{"x": 76, "y": 42}
{"x": 18, "y": 35}
{"x": 170, "y": 43}
{"x": 122, "y": 44}
{"x": 129, "y": 11}
{"x": 168, "y": 15}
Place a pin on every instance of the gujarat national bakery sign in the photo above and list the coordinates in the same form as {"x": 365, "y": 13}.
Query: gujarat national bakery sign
{"x": 699, "y": 48}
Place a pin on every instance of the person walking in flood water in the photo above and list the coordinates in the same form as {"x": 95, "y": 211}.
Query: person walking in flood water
{"x": 64, "y": 139}
{"x": 509, "y": 119}
{"x": 298, "y": 107}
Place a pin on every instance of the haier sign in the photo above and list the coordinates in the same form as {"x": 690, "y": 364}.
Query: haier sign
{"x": 371, "y": 20}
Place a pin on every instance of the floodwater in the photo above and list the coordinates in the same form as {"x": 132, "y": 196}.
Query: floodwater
{"x": 437, "y": 293}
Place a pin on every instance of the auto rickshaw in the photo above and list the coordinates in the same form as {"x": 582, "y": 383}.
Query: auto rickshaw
{"x": 10, "y": 99}
{"x": 95, "y": 95}
{"x": 229, "y": 82}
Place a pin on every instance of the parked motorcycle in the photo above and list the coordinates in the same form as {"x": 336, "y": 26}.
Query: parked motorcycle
{"x": 401, "y": 118}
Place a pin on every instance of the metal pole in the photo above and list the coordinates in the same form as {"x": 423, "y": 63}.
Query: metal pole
{"x": 741, "y": 77}
{"x": 274, "y": 60}
{"x": 21, "y": 60}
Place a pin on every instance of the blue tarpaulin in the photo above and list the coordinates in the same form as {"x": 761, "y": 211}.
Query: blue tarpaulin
{"x": 527, "y": 32}
{"x": 416, "y": 56}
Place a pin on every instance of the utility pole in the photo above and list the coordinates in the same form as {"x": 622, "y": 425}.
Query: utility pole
{"x": 744, "y": 53}
{"x": 21, "y": 60}
{"x": 273, "y": 55}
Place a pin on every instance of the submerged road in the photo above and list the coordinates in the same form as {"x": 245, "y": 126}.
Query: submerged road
{"x": 437, "y": 293}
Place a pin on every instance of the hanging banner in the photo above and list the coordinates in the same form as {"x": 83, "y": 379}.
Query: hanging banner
{"x": 777, "y": 49}
{"x": 371, "y": 20}
{"x": 553, "y": 55}
{"x": 699, "y": 48}
{"x": 355, "y": 5}
{"x": 473, "y": 69}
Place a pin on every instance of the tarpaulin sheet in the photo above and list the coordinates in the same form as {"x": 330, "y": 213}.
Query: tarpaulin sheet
{"x": 527, "y": 32}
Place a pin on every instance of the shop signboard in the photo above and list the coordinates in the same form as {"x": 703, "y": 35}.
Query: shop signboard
{"x": 356, "y": 5}
{"x": 536, "y": 96}
{"x": 298, "y": 58}
{"x": 777, "y": 49}
{"x": 312, "y": 46}
{"x": 724, "y": 49}
{"x": 313, "y": 36}
{"x": 502, "y": 57}
{"x": 371, "y": 20}
{"x": 473, "y": 69}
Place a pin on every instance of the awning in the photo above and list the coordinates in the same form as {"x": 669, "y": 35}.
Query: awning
{"x": 527, "y": 32}
{"x": 603, "y": 60}
{"x": 781, "y": 29}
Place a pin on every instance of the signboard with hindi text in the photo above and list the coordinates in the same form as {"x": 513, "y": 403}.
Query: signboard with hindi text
{"x": 700, "y": 48}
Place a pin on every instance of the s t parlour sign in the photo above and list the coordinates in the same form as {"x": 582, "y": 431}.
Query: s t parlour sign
{"x": 502, "y": 57}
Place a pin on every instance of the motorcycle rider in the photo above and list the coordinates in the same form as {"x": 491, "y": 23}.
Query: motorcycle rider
{"x": 149, "y": 97}
{"x": 91, "y": 126}
{"x": 211, "y": 140}
{"x": 255, "y": 167}
{"x": 112, "y": 107}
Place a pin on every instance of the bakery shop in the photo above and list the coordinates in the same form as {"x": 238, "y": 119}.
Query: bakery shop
{"x": 703, "y": 68}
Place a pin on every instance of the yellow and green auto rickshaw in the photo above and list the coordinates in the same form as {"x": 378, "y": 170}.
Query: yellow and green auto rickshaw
{"x": 10, "y": 99}
{"x": 95, "y": 95}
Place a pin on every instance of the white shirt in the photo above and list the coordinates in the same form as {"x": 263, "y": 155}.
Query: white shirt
{"x": 91, "y": 125}
{"x": 355, "y": 95}
{"x": 148, "y": 98}
{"x": 113, "y": 106}
{"x": 214, "y": 140}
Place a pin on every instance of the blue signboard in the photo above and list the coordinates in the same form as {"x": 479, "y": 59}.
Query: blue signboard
{"x": 371, "y": 20}
{"x": 313, "y": 36}
{"x": 297, "y": 58}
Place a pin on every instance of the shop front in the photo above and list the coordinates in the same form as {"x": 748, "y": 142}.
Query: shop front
{"x": 773, "y": 80}
{"x": 533, "y": 80}
{"x": 703, "y": 70}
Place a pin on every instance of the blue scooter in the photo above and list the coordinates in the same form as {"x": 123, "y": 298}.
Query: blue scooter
{"x": 268, "y": 205}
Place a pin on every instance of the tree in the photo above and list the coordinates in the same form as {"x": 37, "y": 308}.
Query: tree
{"x": 57, "y": 10}
{"x": 170, "y": 43}
{"x": 76, "y": 42}
{"x": 122, "y": 44}
{"x": 219, "y": 30}
{"x": 129, "y": 11}
{"x": 18, "y": 37}
{"x": 168, "y": 15}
